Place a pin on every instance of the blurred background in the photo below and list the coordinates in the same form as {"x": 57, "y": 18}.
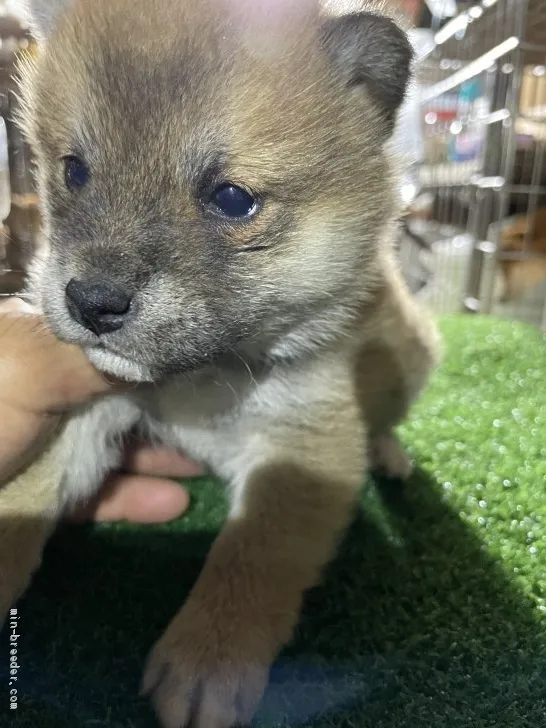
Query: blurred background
{"x": 472, "y": 134}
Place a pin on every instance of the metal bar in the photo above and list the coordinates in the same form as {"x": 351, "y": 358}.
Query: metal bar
{"x": 543, "y": 318}
{"x": 472, "y": 69}
{"x": 518, "y": 15}
{"x": 533, "y": 47}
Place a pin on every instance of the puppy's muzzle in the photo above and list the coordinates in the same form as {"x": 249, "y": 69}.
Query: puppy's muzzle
{"x": 99, "y": 305}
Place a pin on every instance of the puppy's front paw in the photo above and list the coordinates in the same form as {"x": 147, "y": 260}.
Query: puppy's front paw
{"x": 208, "y": 670}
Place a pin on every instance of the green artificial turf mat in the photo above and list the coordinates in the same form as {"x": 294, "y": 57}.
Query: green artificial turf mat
{"x": 432, "y": 616}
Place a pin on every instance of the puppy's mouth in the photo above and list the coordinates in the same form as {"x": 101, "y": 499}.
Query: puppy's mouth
{"x": 117, "y": 365}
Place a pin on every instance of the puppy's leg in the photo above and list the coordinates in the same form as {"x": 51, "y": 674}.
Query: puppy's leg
{"x": 386, "y": 392}
{"x": 212, "y": 664}
{"x": 388, "y": 457}
{"x": 391, "y": 371}
{"x": 71, "y": 468}
{"x": 509, "y": 280}
{"x": 29, "y": 505}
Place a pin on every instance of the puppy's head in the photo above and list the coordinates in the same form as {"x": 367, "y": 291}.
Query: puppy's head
{"x": 212, "y": 173}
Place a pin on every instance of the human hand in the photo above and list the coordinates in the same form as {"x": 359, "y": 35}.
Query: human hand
{"x": 143, "y": 491}
{"x": 40, "y": 377}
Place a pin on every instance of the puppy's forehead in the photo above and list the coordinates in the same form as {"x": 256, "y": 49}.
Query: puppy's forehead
{"x": 186, "y": 69}
{"x": 110, "y": 65}
{"x": 167, "y": 92}
{"x": 180, "y": 45}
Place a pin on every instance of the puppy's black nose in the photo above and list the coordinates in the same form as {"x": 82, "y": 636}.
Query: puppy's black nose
{"x": 99, "y": 305}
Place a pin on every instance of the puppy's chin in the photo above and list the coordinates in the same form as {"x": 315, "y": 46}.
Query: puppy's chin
{"x": 117, "y": 366}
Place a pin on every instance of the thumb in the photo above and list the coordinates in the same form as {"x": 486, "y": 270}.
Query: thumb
{"x": 38, "y": 373}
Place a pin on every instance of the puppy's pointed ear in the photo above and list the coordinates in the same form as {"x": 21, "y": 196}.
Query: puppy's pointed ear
{"x": 42, "y": 16}
{"x": 372, "y": 51}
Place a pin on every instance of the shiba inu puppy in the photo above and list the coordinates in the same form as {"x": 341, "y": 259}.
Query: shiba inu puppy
{"x": 219, "y": 209}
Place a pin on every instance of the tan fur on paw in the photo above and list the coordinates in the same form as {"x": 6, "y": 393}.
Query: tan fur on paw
{"x": 207, "y": 675}
{"x": 388, "y": 457}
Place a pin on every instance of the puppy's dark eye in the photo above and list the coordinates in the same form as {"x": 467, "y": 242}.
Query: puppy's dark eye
{"x": 233, "y": 201}
{"x": 76, "y": 173}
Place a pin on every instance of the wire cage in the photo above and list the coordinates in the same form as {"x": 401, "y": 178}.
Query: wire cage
{"x": 20, "y": 217}
{"x": 480, "y": 220}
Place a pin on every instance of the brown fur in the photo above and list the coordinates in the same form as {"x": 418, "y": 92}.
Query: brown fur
{"x": 303, "y": 349}
{"x": 527, "y": 236}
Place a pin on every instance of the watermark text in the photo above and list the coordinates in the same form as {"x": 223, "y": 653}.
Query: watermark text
{"x": 14, "y": 667}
